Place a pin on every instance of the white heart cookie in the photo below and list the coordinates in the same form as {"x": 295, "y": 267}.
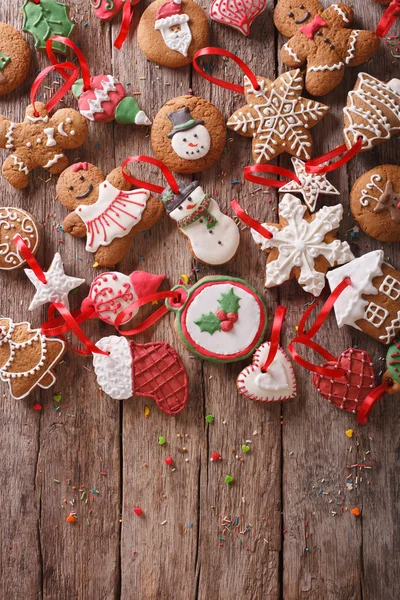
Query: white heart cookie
{"x": 276, "y": 385}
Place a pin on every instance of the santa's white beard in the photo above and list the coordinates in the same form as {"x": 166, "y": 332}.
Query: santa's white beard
{"x": 178, "y": 40}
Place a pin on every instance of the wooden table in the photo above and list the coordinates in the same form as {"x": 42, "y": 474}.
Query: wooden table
{"x": 302, "y": 541}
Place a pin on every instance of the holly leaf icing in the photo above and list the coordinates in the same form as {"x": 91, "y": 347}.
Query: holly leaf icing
{"x": 127, "y": 110}
{"x": 77, "y": 88}
{"x": 46, "y": 19}
{"x": 229, "y": 302}
{"x": 209, "y": 323}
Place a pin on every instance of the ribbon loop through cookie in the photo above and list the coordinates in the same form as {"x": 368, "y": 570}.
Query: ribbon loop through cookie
{"x": 59, "y": 67}
{"x": 210, "y": 51}
{"x": 158, "y": 189}
{"x": 84, "y": 67}
{"x": 275, "y": 336}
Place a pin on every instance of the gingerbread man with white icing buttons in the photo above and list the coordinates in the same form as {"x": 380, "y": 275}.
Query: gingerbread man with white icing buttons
{"x": 40, "y": 141}
{"x": 319, "y": 38}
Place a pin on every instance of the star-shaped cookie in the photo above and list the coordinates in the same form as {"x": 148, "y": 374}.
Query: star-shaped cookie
{"x": 389, "y": 201}
{"x": 310, "y": 186}
{"x": 57, "y": 286}
{"x": 277, "y": 117}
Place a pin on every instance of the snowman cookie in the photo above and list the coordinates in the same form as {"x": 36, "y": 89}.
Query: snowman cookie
{"x": 188, "y": 134}
{"x": 213, "y": 237}
{"x": 15, "y": 59}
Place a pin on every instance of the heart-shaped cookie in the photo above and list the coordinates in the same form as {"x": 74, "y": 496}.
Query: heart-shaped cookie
{"x": 276, "y": 385}
{"x": 351, "y": 390}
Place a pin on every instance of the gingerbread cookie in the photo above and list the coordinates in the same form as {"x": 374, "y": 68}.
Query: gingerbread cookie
{"x": 372, "y": 302}
{"x": 303, "y": 246}
{"x": 372, "y": 112}
{"x": 170, "y": 33}
{"x": 13, "y": 221}
{"x": 310, "y": 186}
{"x": 105, "y": 211}
{"x": 213, "y": 237}
{"x": 15, "y": 59}
{"x": 277, "y": 117}
{"x": 45, "y": 18}
{"x": 393, "y": 367}
{"x": 375, "y": 203}
{"x": 27, "y": 357}
{"x": 40, "y": 141}
{"x": 319, "y": 38}
{"x": 188, "y": 134}
{"x": 238, "y": 14}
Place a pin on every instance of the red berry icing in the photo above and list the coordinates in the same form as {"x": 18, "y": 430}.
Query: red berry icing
{"x": 221, "y": 314}
{"x": 233, "y": 317}
{"x": 226, "y": 326}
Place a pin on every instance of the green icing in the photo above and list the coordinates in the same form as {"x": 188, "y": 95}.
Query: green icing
{"x": 229, "y": 302}
{"x": 127, "y": 110}
{"x": 77, "y": 88}
{"x": 4, "y": 60}
{"x": 393, "y": 361}
{"x": 209, "y": 323}
{"x": 46, "y": 19}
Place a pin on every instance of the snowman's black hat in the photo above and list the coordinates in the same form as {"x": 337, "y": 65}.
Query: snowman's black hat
{"x": 182, "y": 120}
{"x": 172, "y": 201}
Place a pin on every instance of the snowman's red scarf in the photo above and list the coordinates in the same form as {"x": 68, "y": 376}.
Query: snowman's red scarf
{"x": 202, "y": 211}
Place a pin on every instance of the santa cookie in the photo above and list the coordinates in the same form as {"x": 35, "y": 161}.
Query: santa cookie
{"x": 27, "y": 357}
{"x": 375, "y": 203}
{"x": 303, "y": 246}
{"x": 153, "y": 370}
{"x": 105, "y": 212}
{"x": 321, "y": 39}
{"x": 170, "y": 33}
{"x": 15, "y": 59}
{"x": 40, "y": 141}
{"x": 188, "y": 134}
{"x": 372, "y": 302}
{"x": 277, "y": 117}
{"x": 213, "y": 237}
{"x": 238, "y": 14}
{"x": 372, "y": 112}
{"x": 13, "y": 221}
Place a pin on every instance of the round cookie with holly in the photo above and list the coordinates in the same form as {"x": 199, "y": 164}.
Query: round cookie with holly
{"x": 15, "y": 59}
{"x": 221, "y": 319}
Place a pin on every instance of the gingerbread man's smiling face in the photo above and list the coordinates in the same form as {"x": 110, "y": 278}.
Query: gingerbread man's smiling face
{"x": 293, "y": 14}
{"x": 79, "y": 184}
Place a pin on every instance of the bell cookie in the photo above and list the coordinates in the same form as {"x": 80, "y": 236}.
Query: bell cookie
{"x": 27, "y": 357}
{"x": 105, "y": 211}
{"x": 238, "y": 14}
{"x": 277, "y": 117}
{"x": 372, "y": 302}
{"x": 321, "y": 39}
{"x": 45, "y": 19}
{"x": 372, "y": 112}
{"x": 303, "y": 246}
{"x": 375, "y": 203}
{"x": 13, "y": 221}
{"x": 170, "y": 33}
{"x": 40, "y": 141}
{"x": 188, "y": 134}
{"x": 15, "y": 59}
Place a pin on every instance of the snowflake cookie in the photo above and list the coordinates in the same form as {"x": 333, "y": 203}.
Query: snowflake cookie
{"x": 277, "y": 117}
{"x": 303, "y": 246}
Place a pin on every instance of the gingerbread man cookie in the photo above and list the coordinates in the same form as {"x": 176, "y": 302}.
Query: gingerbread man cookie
{"x": 319, "y": 38}
{"x": 40, "y": 141}
{"x": 105, "y": 211}
{"x": 15, "y": 59}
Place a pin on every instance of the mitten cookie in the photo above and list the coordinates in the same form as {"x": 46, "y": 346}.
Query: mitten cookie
{"x": 40, "y": 141}
{"x": 170, "y": 33}
{"x": 188, "y": 134}
{"x": 375, "y": 203}
{"x": 15, "y": 59}
{"x": 372, "y": 302}
{"x": 27, "y": 357}
{"x": 277, "y": 117}
{"x": 105, "y": 211}
{"x": 13, "y": 221}
{"x": 319, "y": 38}
{"x": 303, "y": 246}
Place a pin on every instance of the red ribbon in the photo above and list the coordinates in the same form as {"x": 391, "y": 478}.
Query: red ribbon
{"x": 57, "y": 326}
{"x": 81, "y": 57}
{"x": 388, "y": 18}
{"x": 366, "y": 407}
{"x": 126, "y": 313}
{"x": 209, "y": 51}
{"x": 59, "y": 67}
{"x": 144, "y": 184}
{"x": 256, "y": 225}
{"x": 317, "y": 166}
{"x": 127, "y": 15}
{"x": 30, "y": 259}
{"x": 275, "y": 335}
{"x": 275, "y": 183}
{"x": 311, "y": 29}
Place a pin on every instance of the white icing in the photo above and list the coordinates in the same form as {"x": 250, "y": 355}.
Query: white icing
{"x": 391, "y": 330}
{"x": 366, "y": 193}
{"x": 276, "y": 385}
{"x": 301, "y": 242}
{"x": 114, "y": 372}
{"x": 49, "y": 132}
{"x": 111, "y": 293}
{"x": 174, "y": 38}
{"x": 390, "y": 287}
{"x": 193, "y": 143}
{"x": 39, "y": 140}
{"x": 68, "y": 120}
{"x": 352, "y": 46}
{"x": 21, "y": 166}
{"x": 36, "y": 119}
{"x": 350, "y": 306}
{"x": 291, "y": 52}
{"x": 334, "y": 67}
{"x": 214, "y": 246}
{"x": 394, "y": 85}
{"x": 9, "y": 136}
{"x": 238, "y": 14}
{"x": 13, "y": 220}
{"x": 282, "y": 115}
{"x": 101, "y": 95}
{"x": 60, "y": 129}
{"x": 341, "y": 13}
{"x": 310, "y": 186}
{"x": 113, "y": 215}
{"x": 142, "y": 119}
{"x": 57, "y": 286}
{"x": 53, "y": 161}
{"x": 376, "y": 315}
{"x": 244, "y": 330}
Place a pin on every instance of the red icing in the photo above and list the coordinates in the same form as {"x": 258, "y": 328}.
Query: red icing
{"x": 311, "y": 29}
{"x": 109, "y": 106}
{"x": 169, "y": 9}
{"x": 106, "y": 14}
{"x": 145, "y": 283}
{"x": 237, "y": 13}
{"x": 80, "y": 166}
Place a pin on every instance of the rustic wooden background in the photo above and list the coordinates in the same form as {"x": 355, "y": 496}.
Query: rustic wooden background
{"x": 303, "y": 542}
